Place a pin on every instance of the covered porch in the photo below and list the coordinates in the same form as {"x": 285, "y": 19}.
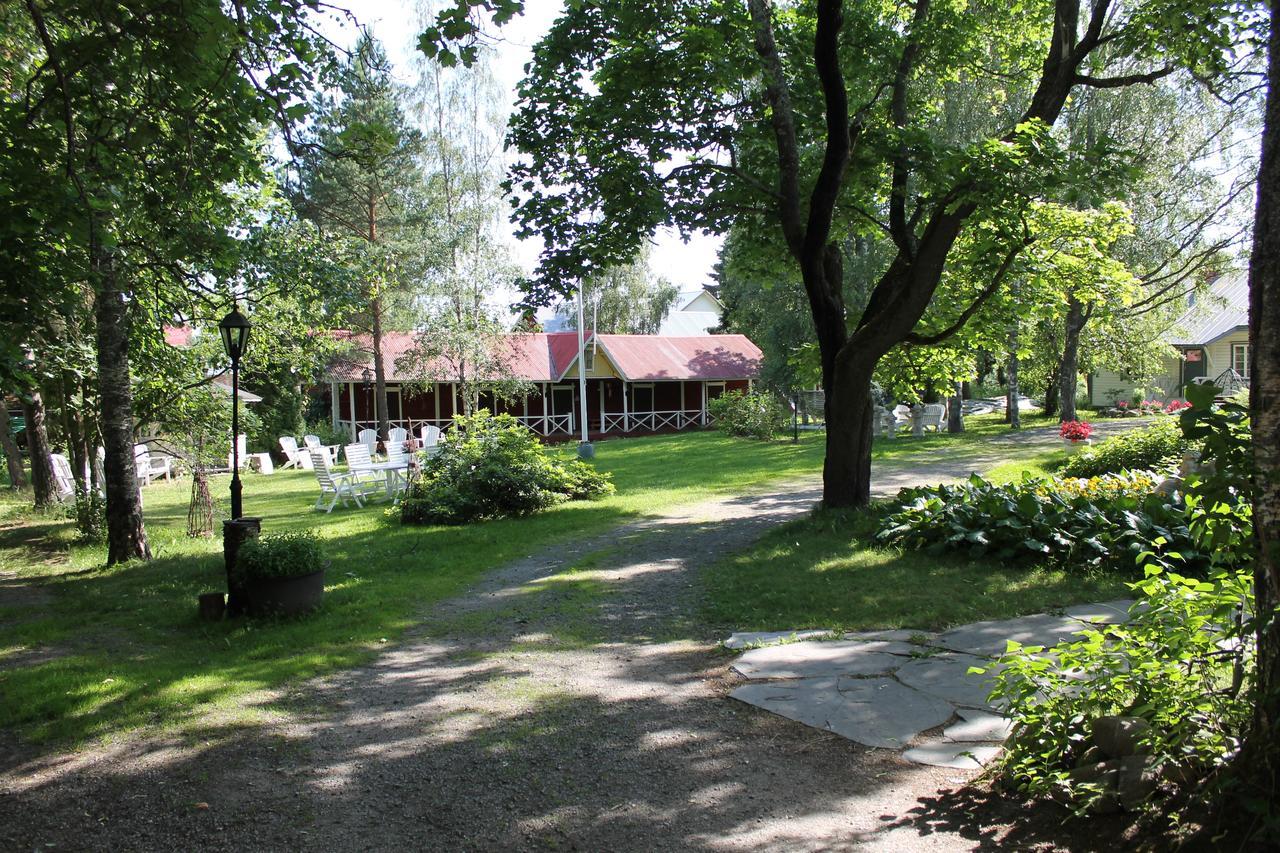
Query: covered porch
{"x": 613, "y": 407}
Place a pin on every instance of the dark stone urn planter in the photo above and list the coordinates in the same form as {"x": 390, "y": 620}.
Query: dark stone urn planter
{"x": 285, "y": 596}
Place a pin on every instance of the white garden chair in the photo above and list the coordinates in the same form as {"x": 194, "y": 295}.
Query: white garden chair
{"x": 151, "y": 467}
{"x": 63, "y": 480}
{"x": 360, "y": 466}
{"x": 369, "y": 438}
{"x": 331, "y": 450}
{"x": 336, "y": 487}
{"x": 430, "y": 438}
{"x": 294, "y": 458}
{"x": 935, "y": 416}
{"x": 397, "y": 436}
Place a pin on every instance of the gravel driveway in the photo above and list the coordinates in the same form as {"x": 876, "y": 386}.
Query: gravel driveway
{"x": 545, "y": 709}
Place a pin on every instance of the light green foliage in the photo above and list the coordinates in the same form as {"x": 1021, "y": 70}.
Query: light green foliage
{"x": 623, "y": 300}
{"x": 751, "y": 415}
{"x": 280, "y": 555}
{"x": 1158, "y": 447}
{"x": 493, "y": 467}
{"x": 1185, "y": 660}
{"x": 1182, "y": 663}
{"x": 1105, "y": 521}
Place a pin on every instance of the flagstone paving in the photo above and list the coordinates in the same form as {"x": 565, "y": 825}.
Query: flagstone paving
{"x": 894, "y": 689}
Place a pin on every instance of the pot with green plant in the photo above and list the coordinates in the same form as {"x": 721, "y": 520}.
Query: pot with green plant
{"x": 282, "y": 573}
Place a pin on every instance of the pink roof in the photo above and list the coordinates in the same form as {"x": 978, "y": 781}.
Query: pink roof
{"x": 546, "y": 357}
{"x": 650, "y": 357}
{"x": 179, "y": 336}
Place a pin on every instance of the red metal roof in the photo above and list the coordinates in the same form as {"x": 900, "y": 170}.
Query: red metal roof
{"x": 179, "y": 336}
{"x": 657, "y": 357}
{"x": 546, "y": 357}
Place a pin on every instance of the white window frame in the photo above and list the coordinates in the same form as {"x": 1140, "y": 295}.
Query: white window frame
{"x": 1238, "y": 350}
{"x": 589, "y": 358}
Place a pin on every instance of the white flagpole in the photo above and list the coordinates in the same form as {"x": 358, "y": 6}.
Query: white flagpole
{"x": 582, "y": 373}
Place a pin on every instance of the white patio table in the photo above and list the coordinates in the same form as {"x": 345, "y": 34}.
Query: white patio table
{"x": 396, "y": 474}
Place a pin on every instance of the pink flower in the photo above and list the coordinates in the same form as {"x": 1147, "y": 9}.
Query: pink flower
{"x": 1122, "y": 404}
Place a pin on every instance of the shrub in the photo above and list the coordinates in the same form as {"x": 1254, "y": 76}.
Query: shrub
{"x": 1176, "y": 664}
{"x": 91, "y": 515}
{"x": 279, "y": 555}
{"x": 1103, "y": 521}
{"x": 1154, "y": 448}
{"x": 492, "y": 467}
{"x": 751, "y": 415}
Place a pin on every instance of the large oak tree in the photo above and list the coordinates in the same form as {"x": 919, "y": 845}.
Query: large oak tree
{"x": 814, "y": 116}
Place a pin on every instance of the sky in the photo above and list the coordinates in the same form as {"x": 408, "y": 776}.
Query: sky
{"x": 687, "y": 265}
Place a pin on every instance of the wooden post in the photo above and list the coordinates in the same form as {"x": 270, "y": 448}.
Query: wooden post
{"x": 684, "y": 418}
{"x": 626, "y": 409}
{"x": 704, "y": 402}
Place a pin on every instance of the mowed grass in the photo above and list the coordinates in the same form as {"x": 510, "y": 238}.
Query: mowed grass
{"x": 823, "y": 571}
{"x": 88, "y": 651}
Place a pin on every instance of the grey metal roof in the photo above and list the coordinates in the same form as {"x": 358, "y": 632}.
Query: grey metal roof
{"x": 1224, "y": 309}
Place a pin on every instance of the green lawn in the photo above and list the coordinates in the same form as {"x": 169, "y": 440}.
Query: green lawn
{"x": 89, "y": 652}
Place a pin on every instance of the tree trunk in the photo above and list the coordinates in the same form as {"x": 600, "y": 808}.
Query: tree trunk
{"x": 1260, "y": 757}
{"x": 42, "y": 482}
{"x": 12, "y": 458}
{"x": 846, "y": 472}
{"x": 955, "y": 413}
{"x": 73, "y": 423}
{"x": 379, "y": 373}
{"x": 1012, "y": 408}
{"x": 126, "y": 536}
{"x": 1051, "y": 394}
{"x": 1069, "y": 367}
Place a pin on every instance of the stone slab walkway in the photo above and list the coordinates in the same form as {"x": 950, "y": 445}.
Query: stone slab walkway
{"x": 893, "y": 690}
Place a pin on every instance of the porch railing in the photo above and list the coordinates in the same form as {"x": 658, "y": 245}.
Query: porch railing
{"x": 541, "y": 424}
{"x": 653, "y": 421}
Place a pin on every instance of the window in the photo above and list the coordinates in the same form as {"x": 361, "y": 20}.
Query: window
{"x": 589, "y": 358}
{"x": 1240, "y": 359}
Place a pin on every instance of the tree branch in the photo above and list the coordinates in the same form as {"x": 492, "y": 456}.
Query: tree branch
{"x": 898, "y": 228}
{"x": 987, "y": 292}
{"x": 782, "y": 118}
{"x": 1123, "y": 80}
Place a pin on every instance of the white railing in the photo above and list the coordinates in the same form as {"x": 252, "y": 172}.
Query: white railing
{"x": 541, "y": 424}
{"x": 652, "y": 421}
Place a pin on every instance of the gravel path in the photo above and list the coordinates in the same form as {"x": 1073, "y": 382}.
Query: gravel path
{"x": 570, "y": 701}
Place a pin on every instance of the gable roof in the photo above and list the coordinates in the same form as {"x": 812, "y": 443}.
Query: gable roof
{"x": 1223, "y": 310}
{"x": 548, "y": 357}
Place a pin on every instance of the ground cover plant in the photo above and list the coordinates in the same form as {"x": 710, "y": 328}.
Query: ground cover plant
{"x": 1158, "y": 447}
{"x": 1074, "y": 522}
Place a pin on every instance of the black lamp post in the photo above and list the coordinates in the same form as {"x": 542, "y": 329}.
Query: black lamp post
{"x": 234, "y": 329}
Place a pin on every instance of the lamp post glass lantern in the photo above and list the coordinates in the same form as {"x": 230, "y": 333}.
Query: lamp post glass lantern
{"x": 234, "y": 329}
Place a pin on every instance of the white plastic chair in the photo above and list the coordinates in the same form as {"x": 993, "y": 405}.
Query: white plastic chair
{"x": 360, "y": 466}
{"x": 430, "y": 438}
{"x": 294, "y": 458}
{"x": 337, "y": 487}
{"x": 64, "y": 481}
{"x": 151, "y": 467}
{"x": 331, "y": 450}
{"x": 397, "y": 436}
{"x": 935, "y": 416}
{"x": 369, "y": 438}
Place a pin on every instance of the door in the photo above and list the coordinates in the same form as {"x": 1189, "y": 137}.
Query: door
{"x": 1193, "y": 365}
{"x": 642, "y": 398}
{"x": 562, "y": 404}
{"x": 393, "y": 406}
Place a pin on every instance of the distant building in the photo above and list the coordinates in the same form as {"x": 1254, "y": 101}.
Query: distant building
{"x": 1209, "y": 342}
{"x": 695, "y": 312}
{"x": 635, "y": 383}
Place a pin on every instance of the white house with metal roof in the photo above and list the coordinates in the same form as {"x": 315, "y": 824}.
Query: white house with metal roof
{"x": 1210, "y": 341}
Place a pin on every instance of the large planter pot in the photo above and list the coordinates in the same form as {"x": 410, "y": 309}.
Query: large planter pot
{"x": 285, "y": 596}
{"x": 1074, "y": 445}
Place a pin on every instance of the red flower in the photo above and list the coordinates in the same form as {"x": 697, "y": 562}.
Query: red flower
{"x": 1076, "y": 430}
{"x": 1122, "y": 404}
